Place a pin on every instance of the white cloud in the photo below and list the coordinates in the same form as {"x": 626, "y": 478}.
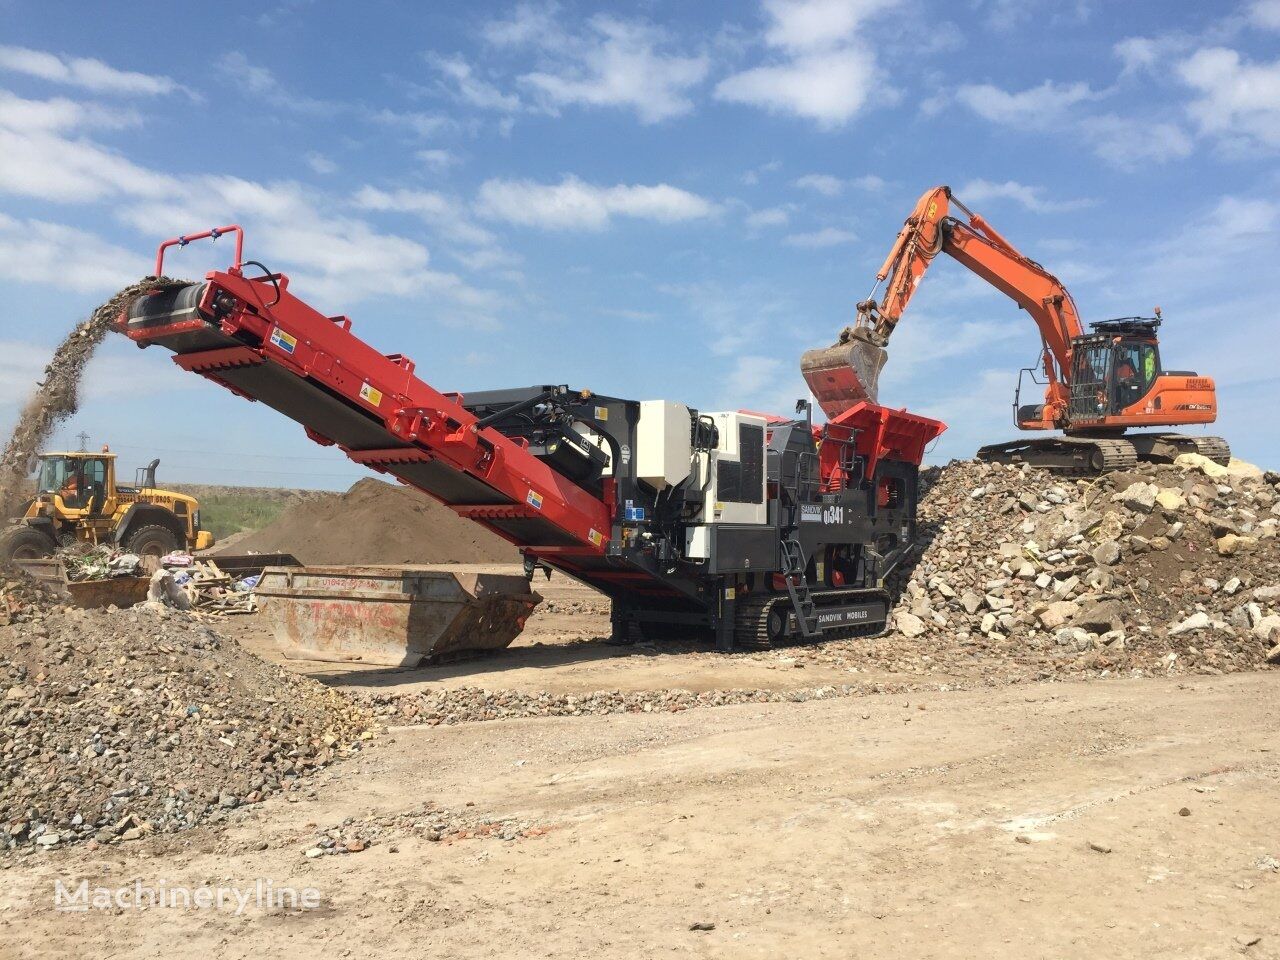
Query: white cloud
{"x": 752, "y": 177}
{"x": 460, "y": 81}
{"x": 1131, "y": 144}
{"x": 83, "y": 72}
{"x": 261, "y": 83}
{"x": 811, "y": 24}
{"x": 446, "y": 215}
{"x": 54, "y": 255}
{"x": 823, "y": 71}
{"x": 1238, "y": 101}
{"x": 769, "y": 217}
{"x": 1149, "y": 54}
{"x": 869, "y": 182}
{"x": 439, "y": 159}
{"x": 1031, "y": 198}
{"x": 826, "y": 237}
{"x": 743, "y": 313}
{"x": 333, "y": 260}
{"x": 1125, "y": 142}
{"x": 763, "y": 384}
{"x": 1265, "y": 14}
{"x": 1232, "y": 225}
{"x": 750, "y": 377}
{"x": 822, "y": 183}
{"x": 611, "y": 62}
{"x": 415, "y": 122}
{"x": 1035, "y": 107}
{"x": 39, "y": 159}
{"x": 45, "y": 154}
{"x": 574, "y": 204}
{"x": 829, "y": 87}
{"x": 320, "y": 163}
{"x": 529, "y": 24}
{"x": 59, "y": 114}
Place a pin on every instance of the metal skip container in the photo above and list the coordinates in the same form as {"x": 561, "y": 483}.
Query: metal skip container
{"x": 391, "y": 615}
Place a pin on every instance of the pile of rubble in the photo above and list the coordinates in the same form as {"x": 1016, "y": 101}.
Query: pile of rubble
{"x": 473, "y": 704}
{"x": 429, "y": 822}
{"x": 1166, "y": 569}
{"x": 22, "y": 596}
{"x": 101, "y": 562}
{"x": 116, "y": 724}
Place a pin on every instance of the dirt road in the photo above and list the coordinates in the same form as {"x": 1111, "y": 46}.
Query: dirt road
{"x": 941, "y": 825}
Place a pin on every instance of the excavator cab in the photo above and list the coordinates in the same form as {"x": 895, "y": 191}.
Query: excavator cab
{"x": 1113, "y": 368}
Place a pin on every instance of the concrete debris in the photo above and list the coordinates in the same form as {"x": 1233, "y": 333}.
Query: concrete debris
{"x": 1198, "y": 461}
{"x": 1130, "y": 568}
{"x": 116, "y": 724}
{"x": 429, "y": 822}
{"x": 1197, "y": 621}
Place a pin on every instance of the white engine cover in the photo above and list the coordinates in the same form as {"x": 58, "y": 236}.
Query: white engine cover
{"x": 664, "y": 448}
{"x": 734, "y": 477}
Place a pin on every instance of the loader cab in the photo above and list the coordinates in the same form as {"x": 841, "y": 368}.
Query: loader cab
{"x": 1113, "y": 367}
{"x": 80, "y": 484}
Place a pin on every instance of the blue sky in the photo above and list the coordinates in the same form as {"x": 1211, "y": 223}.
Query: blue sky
{"x": 657, "y": 199}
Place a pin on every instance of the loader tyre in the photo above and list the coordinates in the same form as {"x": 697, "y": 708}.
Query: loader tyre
{"x": 24, "y": 543}
{"x": 152, "y": 540}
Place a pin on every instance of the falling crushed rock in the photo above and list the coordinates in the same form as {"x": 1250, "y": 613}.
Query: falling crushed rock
{"x": 57, "y": 396}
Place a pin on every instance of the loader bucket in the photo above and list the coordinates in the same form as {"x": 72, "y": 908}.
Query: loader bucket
{"x": 391, "y": 615}
{"x": 845, "y": 374}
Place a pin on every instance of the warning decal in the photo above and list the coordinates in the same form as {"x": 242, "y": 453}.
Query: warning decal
{"x": 283, "y": 340}
{"x": 371, "y": 393}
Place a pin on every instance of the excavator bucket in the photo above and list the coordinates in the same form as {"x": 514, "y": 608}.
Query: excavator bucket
{"x": 844, "y": 374}
{"x": 391, "y": 615}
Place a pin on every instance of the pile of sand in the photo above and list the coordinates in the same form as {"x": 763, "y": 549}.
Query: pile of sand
{"x": 376, "y": 522}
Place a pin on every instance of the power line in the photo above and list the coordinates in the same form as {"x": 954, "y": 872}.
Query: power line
{"x": 225, "y": 453}
{"x": 203, "y": 469}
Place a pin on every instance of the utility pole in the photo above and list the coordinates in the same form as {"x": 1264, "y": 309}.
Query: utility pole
{"x": 83, "y": 438}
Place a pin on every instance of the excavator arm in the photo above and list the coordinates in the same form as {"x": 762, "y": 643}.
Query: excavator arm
{"x": 929, "y": 230}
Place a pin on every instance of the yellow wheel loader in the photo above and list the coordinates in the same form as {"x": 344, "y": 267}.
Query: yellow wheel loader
{"x": 78, "y": 500}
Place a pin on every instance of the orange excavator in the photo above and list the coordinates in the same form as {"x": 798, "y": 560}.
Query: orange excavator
{"x": 1097, "y": 385}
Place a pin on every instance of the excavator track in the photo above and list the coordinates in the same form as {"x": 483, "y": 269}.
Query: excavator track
{"x": 1165, "y": 447}
{"x": 1090, "y": 456}
{"x": 1084, "y": 456}
{"x": 761, "y": 621}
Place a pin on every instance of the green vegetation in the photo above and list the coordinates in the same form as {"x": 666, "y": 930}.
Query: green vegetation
{"x": 226, "y": 513}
